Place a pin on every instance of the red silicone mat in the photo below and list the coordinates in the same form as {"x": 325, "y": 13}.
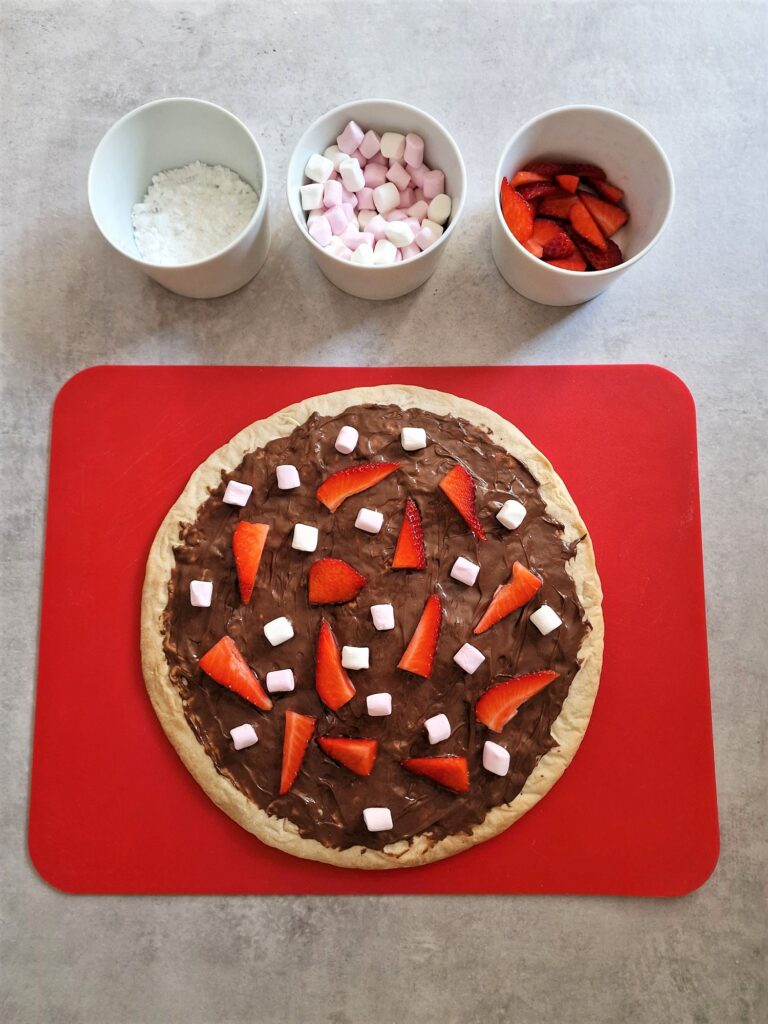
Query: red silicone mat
{"x": 114, "y": 811}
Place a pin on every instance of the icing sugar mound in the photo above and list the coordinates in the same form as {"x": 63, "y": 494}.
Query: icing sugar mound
{"x": 189, "y": 213}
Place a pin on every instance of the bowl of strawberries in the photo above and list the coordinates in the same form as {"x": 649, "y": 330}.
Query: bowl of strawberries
{"x": 581, "y": 194}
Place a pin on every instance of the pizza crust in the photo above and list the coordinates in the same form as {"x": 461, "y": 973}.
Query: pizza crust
{"x": 567, "y": 730}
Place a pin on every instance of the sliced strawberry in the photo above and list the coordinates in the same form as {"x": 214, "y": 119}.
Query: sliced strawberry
{"x": 559, "y": 208}
{"x": 517, "y": 213}
{"x": 539, "y": 190}
{"x": 573, "y": 262}
{"x": 609, "y": 218}
{"x": 357, "y": 755}
{"x": 526, "y": 178}
{"x": 451, "y": 772}
{"x": 409, "y": 552}
{"x": 334, "y": 581}
{"x": 459, "y": 488}
{"x": 545, "y": 230}
{"x": 569, "y": 182}
{"x": 226, "y": 666}
{"x": 499, "y": 704}
{"x": 333, "y": 685}
{"x": 612, "y": 193}
{"x": 558, "y": 248}
{"x": 534, "y": 248}
{"x": 419, "y": 655}
{"x": 352, "y": 480}
{"x": 507, "y": 598}
{"x": 585, "y": 171}
{"x": 612, "y": 256}
{"x": 248, "y": 542}
{"x": 298, "y": 733}
{"x": 583, "y": 224}
{"x": 546, "y": 168}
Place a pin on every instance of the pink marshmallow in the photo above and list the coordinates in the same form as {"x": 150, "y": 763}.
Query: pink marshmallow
{"x": 396, "y": 215}
{"x": 370, "y": 146}
{"x": 406, "y": 198}
{"x": 414, "y": 150}
{"x": 413, "y": 224}
{"x": 399, "y": 177}
{"x": 417, "y": 174}
{"x": 349, "y": 211}
{"x": 337, "y": 219}
{"x": 374, "y": 174}
{"x": 419, "y": 195}
{"x": 350, "y": 138}
{"x": 410, "y": 250}
{"x": 321, "y": 230}
{"x": 348, "y": 197}
{"x": 360, "y": 157}
{"x": 365, "y": 199}
{"x": 379, "y": 158}
{"x": 334, "y": 175}
{"x": 332, "y": 193}
{"x": 398, "y": 256}
{"x": 377, "y": 227}
{"x": 418, "y": 211}
{"x": 352, "y": 238}
{"x": 424, "y": 238}
{"x": 434, "y": 184}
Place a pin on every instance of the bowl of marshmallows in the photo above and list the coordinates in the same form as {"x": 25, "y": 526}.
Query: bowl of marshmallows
{"x": 376, "y": 189}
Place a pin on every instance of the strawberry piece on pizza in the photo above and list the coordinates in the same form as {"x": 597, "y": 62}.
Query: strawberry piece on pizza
{"x": 419, "y": 655}
{"x": 334, "y": 581}
{"x": 451, "y": 772}
{"x": 356, "y": 754}
{"x": 299, "y": 730}
{"x": 352, "y": 480}
{"x": 248, "y": 542}
{"x": 410, "y": 552}
{"x": 499, "y": 705}
{"x": 459, "y": 487}
{"x": 333, "y": 685}
{"x": 507, "y": 598}
{"x": 226, "y": 666}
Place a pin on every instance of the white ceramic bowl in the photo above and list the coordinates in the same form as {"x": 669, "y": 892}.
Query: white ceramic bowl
{"x": 173, "y": 133}
{"x": 630, "y": 157}
{"x": 439, "y": 151}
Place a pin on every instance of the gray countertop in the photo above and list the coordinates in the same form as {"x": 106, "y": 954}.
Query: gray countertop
{"x": 694, "y": 74}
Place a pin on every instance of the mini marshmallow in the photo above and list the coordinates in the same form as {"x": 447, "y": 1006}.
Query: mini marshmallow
{"x": 236, "y": 493}
{"x": 511, "y": 514}
{"x": 311, "y": 196}
{"x": 280, "y": 681}
{"x": 377, "y": 226}
{"x": 465, "y": 571}
{"x": 337, "y": 220}
{"x": 331, "y": 193}
{"x": 418, "y": 211}
{"x": 377, "y": 819}
{"x": 200, "y": 593}
{"x": 397, "y": 214}
{"x": 321, "y": 229}
{"x": 243, "y": 736}
{"x": 495, "y": 758}
{"x": 392, "y": 145}
{"x": 398, "y": 233}
{"x": 353, "y": 238}
{"x": 417, "y": 173}
{"x": 433, "y": 226}
{"x": 414, "y": 150}
{"x": 366, "y": 216}
{"x": 314, "y": 214}
{"x": 433, "y": 184}
{"x": 350, "y": 138}
{"x": 378, "y": 704}
{"x": 413, "y": 224}
{"x": 278, "y": 631}
{"x": 363, "y": 255}
{"x": 365, "y": 199}
{"x": 386, "y": 197}
{"x": 413, "y": 438}
{"x": 355, "y": 658}
{"x": 351, "y": 175}
{"x": 337, "y": 248}
{"x": 399, "y": 256}
{"x": 398, "y": 175}
{"x": 346, "y": 442}
{"x": 383, "y": 616}
{"x": 440, "y": 208}
{"x": 418, "y": 193}
{"x": 304, "y": 537}
{"x": 424, "y": 238}
{"x": 287, "y": 477}
{"x": 374, "y": 174}
{"x": 410, "y": 250}
{"x": 379, "y": 159}
{"x": 545, "y": 619}
{"x": 370, "y": 145}
{"x": 438, "y": 728}
{"x": 362, "y": 160}
{"x": 318, "y": 168}
{"x": 369, "y": 520}
{"x": 384, "y": 253}
{"x": 335, "y": 155}
{"x": 348, "y": 197}
{"x": 469, "y": 658}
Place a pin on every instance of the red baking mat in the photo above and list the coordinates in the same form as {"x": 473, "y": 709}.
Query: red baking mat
{"x": 112, "y": 809}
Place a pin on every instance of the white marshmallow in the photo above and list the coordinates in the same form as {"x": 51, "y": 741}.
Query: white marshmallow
{"x": 364, "y": 218}
{"x": 236, "y": 493}
{"x": 511, "y": 514}
{"x": 352, "y": 174}
{"x": 386, "y": 197}
{"x": 545, "y": 619}
{"x": 413, "y": 438}
{"x": 319, "y": 168}
{"x": 355, "y": 658}
{"x": 335, "y": 155}
{"x": 337, "y": 247}
{"x": 495, "y": 758}
{"x": 278, "y": 631}
{"x": 304, "y": 537}
{"x": 369, "y": 520}
{"x": 243, "y": 736}
{"x": 433, "y": 226}
{"x": 439, "y": 209}
{"x": 311, "y": 196}
{"x": 465, "y": 571}
{"x": 200, "y": 593}
{"x": 393, "y": 145}
{"x": 377, "y": 819}
{"x": 379, "y": 704}
{"x": 438, "y": 728}
{"x": 363, "y": 255}
{"x": 287, "y": 477}
{"x": 469, "y": 658}
{"x": 398, "y": 233}
{"x": 280, "y": 681}
{"x": 384, "y": 253}
{"x": 346, "y": 442}
{"x": 383, "y": 616}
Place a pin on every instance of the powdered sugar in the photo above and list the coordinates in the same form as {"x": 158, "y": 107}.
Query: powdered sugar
{"x": 190, "y": 213}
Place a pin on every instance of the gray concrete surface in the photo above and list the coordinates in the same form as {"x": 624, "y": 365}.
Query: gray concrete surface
{"x": 694, "y": 74}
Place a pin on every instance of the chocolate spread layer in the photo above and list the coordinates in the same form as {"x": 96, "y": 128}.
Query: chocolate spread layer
{"x": 327, "y": 800}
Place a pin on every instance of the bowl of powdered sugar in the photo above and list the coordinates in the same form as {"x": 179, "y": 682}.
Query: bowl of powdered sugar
{"x": 179, "y": 188}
